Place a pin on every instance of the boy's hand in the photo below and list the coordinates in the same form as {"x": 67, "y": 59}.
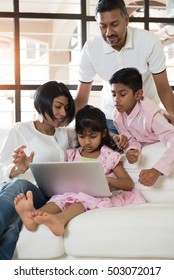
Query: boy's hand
{"x": 132, "y": 155}
{"x": 121, "y": 141}
{"x": 148, "y": 177}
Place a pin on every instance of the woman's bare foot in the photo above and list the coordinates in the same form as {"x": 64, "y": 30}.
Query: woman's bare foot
{"x": 24, "y": 206}
{"x": 53, "y": 221}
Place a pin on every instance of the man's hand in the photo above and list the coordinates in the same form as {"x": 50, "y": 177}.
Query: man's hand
{"x": 132, "y": 155}
{"x": 148, "y": 177}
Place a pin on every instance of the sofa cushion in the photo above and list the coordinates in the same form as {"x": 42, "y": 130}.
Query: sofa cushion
{"x": 137, "y": 231}
{"x": 163, "y": 189}
{"x": 41, "y": 244}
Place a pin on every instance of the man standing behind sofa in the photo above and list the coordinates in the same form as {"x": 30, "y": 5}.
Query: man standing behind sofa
{"x": 118, "y": 46}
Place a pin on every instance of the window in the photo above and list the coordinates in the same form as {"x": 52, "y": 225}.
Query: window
{"x": 41, "y": 40}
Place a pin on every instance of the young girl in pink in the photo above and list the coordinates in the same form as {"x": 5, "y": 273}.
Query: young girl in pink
{"x": 94, "y": 144}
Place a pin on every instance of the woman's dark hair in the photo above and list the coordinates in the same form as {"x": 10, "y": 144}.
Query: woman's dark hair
{"x": 129, "y": 76}
{"x": 109, "y": 5}
{"x": 45, "y": 94}
{"x": 93, "y": 118}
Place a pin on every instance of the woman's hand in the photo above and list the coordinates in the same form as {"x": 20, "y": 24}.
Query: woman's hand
{"x": 21, "y": 160}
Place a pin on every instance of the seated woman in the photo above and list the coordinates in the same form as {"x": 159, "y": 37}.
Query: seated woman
{"x": 43, "y": 140}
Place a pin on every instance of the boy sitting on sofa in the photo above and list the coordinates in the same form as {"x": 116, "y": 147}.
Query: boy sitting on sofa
{"x": 142, "y": 121}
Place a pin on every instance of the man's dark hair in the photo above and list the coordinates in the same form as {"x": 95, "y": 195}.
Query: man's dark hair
{"x": 109, "y": 5}
{"x": 129, "y": 77}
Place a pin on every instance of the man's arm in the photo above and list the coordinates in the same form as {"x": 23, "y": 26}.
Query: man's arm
{"x": 165, "y": 92}
{"x": 82, "y": 96}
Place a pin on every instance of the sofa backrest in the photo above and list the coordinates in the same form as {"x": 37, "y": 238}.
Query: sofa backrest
{"x": 163, "y": 189}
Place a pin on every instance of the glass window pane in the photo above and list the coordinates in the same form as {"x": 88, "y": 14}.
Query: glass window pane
{"x": 170, "y": 8}
{"x": 137, "y": 24}
{"x": 49, "y": 50}
{"x": 50, "y": 6}
{"x": 169, "y": 52}
{"x": 6, "y": 51}
{"x": 90, "y": 7}
{"x": 94, "y": 98}
{"x": 7, "y": 108}
{"x": 134, "y": 8}
{"x": 161, "y": 8}
{"x": 92, "y": 29}
{"x": 28, "y": 111}
{"x": 6, "y": 6}
{"x": 166, "y": 34}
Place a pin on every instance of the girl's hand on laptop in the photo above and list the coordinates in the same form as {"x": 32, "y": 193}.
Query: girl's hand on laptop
{"x": 148, "y": 177}
{"x": 21, "y": 160}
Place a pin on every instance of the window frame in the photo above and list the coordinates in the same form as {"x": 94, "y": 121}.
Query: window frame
{"x": 16, "y": 15}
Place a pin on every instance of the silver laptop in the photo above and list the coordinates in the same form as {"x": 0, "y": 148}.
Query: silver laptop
{"x": 60, "y": 177}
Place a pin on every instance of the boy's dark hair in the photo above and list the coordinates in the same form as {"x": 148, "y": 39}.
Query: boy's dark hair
{"x": 109, "y": 5}
{"x": 93, "y": 118}
{"x": 129, "y": 76}
{"x": 45, "y": 94}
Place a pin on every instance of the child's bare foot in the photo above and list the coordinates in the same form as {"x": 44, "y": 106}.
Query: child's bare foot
{"x": 53, "y": 221}
{"x": 24, "y": 205}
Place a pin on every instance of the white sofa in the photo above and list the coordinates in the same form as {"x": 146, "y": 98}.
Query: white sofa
{"x": 141, "y": 231}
